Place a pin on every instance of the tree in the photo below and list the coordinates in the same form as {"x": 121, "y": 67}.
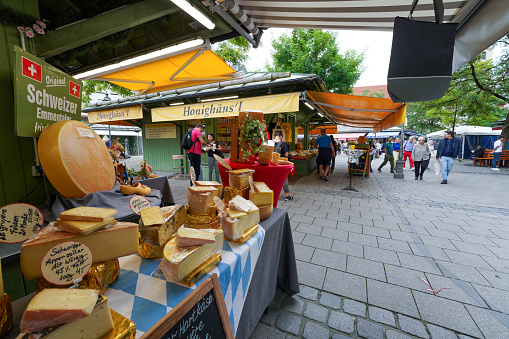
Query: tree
{"x": 315, "y": 51}
{"x": 233, "y": 51}
{"x": 93, "y": 86}
{"x": 378, "y": 94}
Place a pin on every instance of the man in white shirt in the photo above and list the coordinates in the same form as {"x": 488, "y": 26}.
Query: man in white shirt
{"x": 497, "y": 152}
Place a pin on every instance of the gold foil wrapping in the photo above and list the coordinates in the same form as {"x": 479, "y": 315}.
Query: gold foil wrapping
{"x": 147, "y": 250}
{"x": 99, "y": 277}
{"x": 230, "y": 192}
{"x": 216, "y": 223}
{"x": 124, "y": 328}
{"x": 195, "y": 217}
{"x": 246, "y": 236}
{"x": 6, "y": 315}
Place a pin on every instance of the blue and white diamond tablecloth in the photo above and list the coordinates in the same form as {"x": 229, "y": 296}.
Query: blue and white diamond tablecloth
{"x": 142, "y": 295}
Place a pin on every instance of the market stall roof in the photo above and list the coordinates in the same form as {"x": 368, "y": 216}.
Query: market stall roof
{"x": 359, "y": 111}
{"x": 466, "y": 130}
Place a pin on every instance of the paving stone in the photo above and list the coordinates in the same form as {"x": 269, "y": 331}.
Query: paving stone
{"x": 329, "y": 259}
{"x": 490, "y": 326}
{"x": 263, "y": 331}
{"x": 495, "y": 296}
{"x": 477, "y": 239}
{"x": 394, "y": 245}
{"x": 365, "y": 268}
{"x": 354, "y": 307}
{"x": 348, "y": 248}
{"x": 316, "y": 214}
{"x": 496, "y": 279}
{"x": 309, "y": 229}
{"x": 330, "y": 300}
{"x": 288, "y": 322}
{"x": 395, "y": 298}
{"x": 292, "y": 304}
{"x": 396, "y": 335}
{"x": 303, "y": 218}
{"x": 362, "y": 239}
{"x": 302, "y": 252}
{"x": 376, "y": 231}
{"x": 382, "y": 316}
{"x": 466, "y": 273}
{"x": 315, "y": 331}
{"x": 317, "y": 241}
{"x": 454, "y": 293}
{"x": 270, "y": 317}
{"x": 316, "y": 312}
{"x": 278, "y": 298}
{"x": 325, "y": 222}
{"x": 338, "y": 217}
{"x": 341, "y": 321}
{"x": 418, "y": 263}
{"x": 345, "y": 284}
{"x": 405, "y": 277}
{"x": 346, "y": 226}
{"x": 308, "y": 292}
{"x": 462, "y": 257}
{"x": 339, "y": 336}
{"x": 440, "y": 332}
{"x": 381, "y": 255}
{"x": 334, "y": 234}
{"x": 412, "y": 326}
{"x": 368, "y": 329}
{"x": 297, "y": 237}
{"x": 310, "y": 274}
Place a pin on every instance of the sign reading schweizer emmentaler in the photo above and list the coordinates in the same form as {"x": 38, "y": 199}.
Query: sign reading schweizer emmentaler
{"x": 44, "y": 95}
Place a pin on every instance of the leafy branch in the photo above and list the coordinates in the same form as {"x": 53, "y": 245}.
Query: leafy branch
{"x": 251, "y": 132}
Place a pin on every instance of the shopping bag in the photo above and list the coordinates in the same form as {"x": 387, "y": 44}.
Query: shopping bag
{"x": 437, "y": 168}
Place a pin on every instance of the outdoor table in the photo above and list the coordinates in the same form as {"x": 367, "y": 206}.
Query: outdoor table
{"x": 162, "y": 185}
{"x": 273, "y": 176}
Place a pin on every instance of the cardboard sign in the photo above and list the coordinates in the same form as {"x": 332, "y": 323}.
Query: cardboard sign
{"x": 18, "y": 222}
{"x": 138, "y": 203}
{"x": 202, "y": 314}
{"x": 66, "y": 262}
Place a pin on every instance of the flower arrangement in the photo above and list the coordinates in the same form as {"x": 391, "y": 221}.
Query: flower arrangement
{"x": 251, "y": 132}
{"x": 39, "y": 27}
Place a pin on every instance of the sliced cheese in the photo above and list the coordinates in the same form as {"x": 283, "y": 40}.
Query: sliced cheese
{"x": 234, "y": 228}
{"x": 265, "y": 211}
{"x": 214, "y": 184}
{"x": 54, "y": 306}
{"x": 265, "y": 156}
{"x": 262, "y": 194}
{"x": 178, "y": 262}
{"x": 95, "y": 326}
{"x": 283, "y": 159}
{"x": 239, "y": 179}
{"x": 235, "y": 214}
{"x": 194, "y": 237}
{"x": 275, "y": 158}
{"x": 158, "y": 235}
{"x": 82, "y": 227}
{"x": 152, "y": 216}
{"x": 242, "y": 205}
{"x": 108, "y": 243}
{"x": 86, "y": 213}
{"x": 201, "y": 198}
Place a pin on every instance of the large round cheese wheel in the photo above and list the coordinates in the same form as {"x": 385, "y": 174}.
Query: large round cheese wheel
{"x": 75, "y": 159}
{"x": 265, "y": 211}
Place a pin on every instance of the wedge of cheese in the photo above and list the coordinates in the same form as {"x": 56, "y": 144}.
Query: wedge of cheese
{"x": 275, "y": 158}
{"x": 265, "y": 211}
{"x": 178, "y": 262}
{"x": 54, "y": 306}
{"x": 214, "y": 184}
{"x": 239, "y": 179}
{"x": 82, "y": 227}
{"x": 152, "y": 216}
{"x": 201, "y": 198}
{"x": 265, "y": 156}
{"x": 234, "y": 225}
{"x": 262, "y": 194}
{"x": 86, "y": 213}
{"x": 194, "y": 217}
{"x": 230, "y": 192}
{"x": 108, "y": 243}
{"x": 193, "y": 237}
{"x": 95, "y": 326}
{"x": 158, "y": 235}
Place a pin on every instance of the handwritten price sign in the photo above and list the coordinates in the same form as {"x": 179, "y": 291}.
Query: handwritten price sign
{"x": 66, "y": 262}
{"x": 138, "y": 203}
{"x": 18, "y": 222}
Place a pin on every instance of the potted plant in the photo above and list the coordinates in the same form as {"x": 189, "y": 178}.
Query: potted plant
{"x": 252, "y": 137}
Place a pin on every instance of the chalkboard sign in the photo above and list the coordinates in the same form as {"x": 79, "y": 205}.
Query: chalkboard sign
{"x": 202, "y": 314}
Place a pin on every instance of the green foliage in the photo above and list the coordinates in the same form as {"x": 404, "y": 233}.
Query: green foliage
{"x": 315, "y": 51}
{"x": 233, "y": 51}
{"x": 10, "y": 16}
{"x": 92, "y": 86}
{"x": 251, "y": 132}
{"x": 377, "y": 94}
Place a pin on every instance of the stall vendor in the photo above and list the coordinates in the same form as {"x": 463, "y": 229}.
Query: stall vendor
{"x": 325, "y": 154}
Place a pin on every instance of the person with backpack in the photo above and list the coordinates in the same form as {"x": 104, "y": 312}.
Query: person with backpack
{"x": 192, "y": 142}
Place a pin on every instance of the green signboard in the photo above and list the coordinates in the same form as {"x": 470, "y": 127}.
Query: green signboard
{"x": 44, "y": 95}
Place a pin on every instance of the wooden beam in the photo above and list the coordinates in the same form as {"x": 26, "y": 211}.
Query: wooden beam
{"x": 102, "y": 25}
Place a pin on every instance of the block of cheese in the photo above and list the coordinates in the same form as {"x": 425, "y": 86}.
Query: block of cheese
{"x": 54, "y": 306}
{"x": 283, "y": 159}
{"x": 235, "y": 214}
{"x": 255, "y": 115}
{"x": 201, "y": 198}
{"x": 275, "y": 158}
{"x": 6, "y": 314}
{"x": 284, "y": 162}
{"x": 265, "y": 156}
{"x": 262, "y": 194}
{"x": 233, "y": 228}
{"x": 94, "y": 326}
{"x": 194, "y": 237}
{"x": 178, "y": 262}
{"x": 86, "y": 213}
{"x": 194, "y": 217}
{"x": 216, "y": 223}
{"x": 82, "y": 227}
{"x": 234, "y": 151}
{"x": 215, "y": 184}
{"x": 157, "y": 235}
{"x": 230, "y": 192}
{"x": 240, "y": 204}
{"x": 152, "y": 216}
{"x": 265, "y": 211}
{"x": 108, "y": 243}
{"x": 239, "y": 179}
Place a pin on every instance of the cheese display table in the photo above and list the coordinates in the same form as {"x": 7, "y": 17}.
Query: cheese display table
{"x": 162, "y": 185}
{"x": 273, "y": 176}
{"x": 304, "y": 165}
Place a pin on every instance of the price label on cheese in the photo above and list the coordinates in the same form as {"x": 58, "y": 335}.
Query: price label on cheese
{"x": 139, "y": 203}
{"x": 18, "y": 222}
{"x": 66, "y": 262}
{"x": 85, "y": 132}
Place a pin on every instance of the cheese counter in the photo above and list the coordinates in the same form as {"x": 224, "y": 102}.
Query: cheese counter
{"x": 304, "y": 165}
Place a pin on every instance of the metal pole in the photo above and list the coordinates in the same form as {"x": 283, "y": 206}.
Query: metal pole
{"x": 398, "y": 174}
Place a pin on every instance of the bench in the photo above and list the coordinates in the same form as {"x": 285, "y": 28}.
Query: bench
{"x": 487, "y": 157}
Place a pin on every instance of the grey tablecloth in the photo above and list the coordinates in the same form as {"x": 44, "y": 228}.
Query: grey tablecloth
{"x": 276, "y": 267}
{"x": 161, "y": 184}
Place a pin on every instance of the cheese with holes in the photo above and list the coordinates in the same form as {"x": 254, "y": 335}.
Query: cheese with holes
{"x": 275, "y": 158}
{"x": 152, "y": 216}
{"x": 230, "y": 192}
{"x": 233, "y": 228}
{"x": 265, "y": 211}
{"x": 158, "y": 235}
{"x": 201, "y": 198}
{"x": 265, "y": 156}
{"x": 240, "y": 204}
{"x": 194, "y": 237}
{"x": 194, "y": 217}
{"x": 86, "y": 213}
{"x": 239, "y": 179}
{"x": 262, "y": 194}
{"x": 108, "y": 243}
{"x": 55, "y": 306}
{"x": 82, "y": 227}
{"x": 215, "y": 184}
{"x": 179, "y": 262}
{"x": 95, "y": 326}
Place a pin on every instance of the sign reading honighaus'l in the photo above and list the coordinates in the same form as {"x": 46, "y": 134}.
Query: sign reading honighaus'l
{"x": 44, "y": 95}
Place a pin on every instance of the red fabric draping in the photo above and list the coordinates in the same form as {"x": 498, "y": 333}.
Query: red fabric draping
{"x": 273, "y": 176}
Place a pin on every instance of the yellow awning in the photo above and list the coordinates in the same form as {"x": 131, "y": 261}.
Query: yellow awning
{"x": 194, "y": 67}
{"x": 360, "y": 111}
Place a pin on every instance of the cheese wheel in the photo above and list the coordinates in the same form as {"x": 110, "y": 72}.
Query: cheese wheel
{"x": 265, "y": 211}
{"x": 75, "y": 159}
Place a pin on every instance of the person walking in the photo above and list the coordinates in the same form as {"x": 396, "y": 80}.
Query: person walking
{"x": 389, "y": 155}
{"x": 396, "y": 146}
{"x": 333, "y": 159}
{"x": 448, "y": 149}
{"x": 325, "y": 154}
{"x": 372, "y": 151}
{"x": 497, "y": 152}
{"x": 420, "y": 157}
{"x": 213, "y": 148}
{"x": 408, "y": 147}
{"x": 194, "y": 153}
{"x": 432, "y": 151}
{"x": 281, "y": 147}
{"x": 378, "y": 146}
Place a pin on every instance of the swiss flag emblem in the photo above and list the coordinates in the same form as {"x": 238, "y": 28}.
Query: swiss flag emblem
{"x": 74, "y": 89}
{"x": 31, "y": 69}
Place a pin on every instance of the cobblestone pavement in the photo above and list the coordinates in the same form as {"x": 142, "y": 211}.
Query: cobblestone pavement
{"x": 359, "y": 256}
